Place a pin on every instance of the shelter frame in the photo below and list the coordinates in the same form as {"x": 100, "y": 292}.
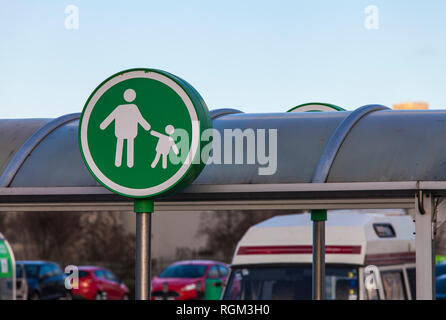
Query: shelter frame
{"x": 373, "y": 195}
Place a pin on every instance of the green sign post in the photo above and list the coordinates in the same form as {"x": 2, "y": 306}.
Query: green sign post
{"x": 140, "y": 137}
{"x": 318, "y": 216}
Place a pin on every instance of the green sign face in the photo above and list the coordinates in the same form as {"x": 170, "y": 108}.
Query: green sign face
{"x": 140, "y": 133}
{"x": 5, "y": 261}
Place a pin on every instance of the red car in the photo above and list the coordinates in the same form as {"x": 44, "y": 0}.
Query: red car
{"x": 193, "y": 279}
{"x": 96, "y": 283}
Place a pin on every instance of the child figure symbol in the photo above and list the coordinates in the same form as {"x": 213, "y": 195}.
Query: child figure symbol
{"x": 165, "y": 143}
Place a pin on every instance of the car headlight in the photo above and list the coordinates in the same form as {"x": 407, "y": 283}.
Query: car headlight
{"x": 189, "y": 287}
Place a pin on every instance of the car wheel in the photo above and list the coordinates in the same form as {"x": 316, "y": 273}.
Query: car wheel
{"x": 34, "y": 296}
{"x": 98, "y": 296}
{"x": 125, "y": 297}
{"x": 68, "y": 295}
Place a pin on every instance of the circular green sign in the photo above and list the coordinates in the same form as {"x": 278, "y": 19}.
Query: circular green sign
{"x": 315, "y": 107}
{"x": 140, "y": 133}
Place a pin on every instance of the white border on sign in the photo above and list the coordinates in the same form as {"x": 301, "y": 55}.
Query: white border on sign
{"x": 146, "y": 192}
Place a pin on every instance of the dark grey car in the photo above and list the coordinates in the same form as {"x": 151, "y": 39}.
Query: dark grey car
{"x": 44, "y": 280}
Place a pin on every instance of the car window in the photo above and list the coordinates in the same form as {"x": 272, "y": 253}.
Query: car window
{"x": 83, "y": 274}
{"x": 440, "y": 269}
{"x": 223, "y": 271}
{"x": 19, "y": 270}
{"x": 31, "y": 271}
{"x": 110, "y": 276}
{"x": 184, "y": 271}
{"x": 213, "y": 273}
{"x": 56, "y": 270}
{"x": 99, "y": 274}
{"x": 45, "y": 271}
{"x": 393, "y": 285}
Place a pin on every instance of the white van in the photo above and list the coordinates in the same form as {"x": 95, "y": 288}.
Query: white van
{"x": 273, "y": 259}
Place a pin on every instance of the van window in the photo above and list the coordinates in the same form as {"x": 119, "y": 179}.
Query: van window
{"x": 289, "y": 283}
{"x": 384, "y": 230}
{"x": 411, "y": 275}
{"x": 372, "y": 294}
{"x": 393, "y": 285}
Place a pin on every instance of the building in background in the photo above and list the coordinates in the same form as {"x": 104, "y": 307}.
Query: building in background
{"x": 411, "y": 106}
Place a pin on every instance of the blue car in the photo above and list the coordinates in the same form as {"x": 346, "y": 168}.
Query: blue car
{"x": 45, "y": 280}
{"x": 440, "y": 281}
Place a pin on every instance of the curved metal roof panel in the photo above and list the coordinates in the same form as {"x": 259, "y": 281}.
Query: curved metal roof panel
{"x": 394, "y": 146}
{"x": 13, "y": 133}
{"x": 384, "y": 146}
{"x": 55, "y": 162}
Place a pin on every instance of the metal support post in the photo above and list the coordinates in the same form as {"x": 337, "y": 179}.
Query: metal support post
{"x": 318, "y": 289}
{"x": 424, "y": 246}
{"x": 143, "y": 210}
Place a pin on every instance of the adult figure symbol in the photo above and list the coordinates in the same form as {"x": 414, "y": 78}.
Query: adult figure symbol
{"x": 127, "y": 117}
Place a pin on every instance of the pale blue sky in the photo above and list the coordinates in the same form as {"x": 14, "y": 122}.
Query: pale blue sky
{"x": 258, "y": 56}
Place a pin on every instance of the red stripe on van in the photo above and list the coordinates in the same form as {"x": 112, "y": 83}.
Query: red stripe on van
{"x": 390, "y": 258}
{"x": 297, "y": 250}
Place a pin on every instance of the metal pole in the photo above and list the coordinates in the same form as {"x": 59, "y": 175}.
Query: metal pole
{"x": 143, "y": 210}
{"x": 424, "y": 247}
{"x": 318, "y": 268}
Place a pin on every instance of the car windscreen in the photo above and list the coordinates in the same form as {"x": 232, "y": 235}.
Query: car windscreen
{"x": 184, "y": 271}
{"x": 31, "y": 271}
{"x": 289, "y": 283}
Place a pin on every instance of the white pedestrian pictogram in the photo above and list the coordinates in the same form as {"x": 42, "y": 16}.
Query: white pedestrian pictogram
{"x": 126, "y": 117}
{"x": 165, "y": 143}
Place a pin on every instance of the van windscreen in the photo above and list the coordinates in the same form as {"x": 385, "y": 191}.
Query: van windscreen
{"x": 289, "y": 283}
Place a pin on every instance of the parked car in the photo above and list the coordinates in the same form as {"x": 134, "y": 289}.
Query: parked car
{"x": 44, "y": 280}
{"x": 193, "y": 279}
{"x": 97, "y": 283}
{"x": 440, "y": 281}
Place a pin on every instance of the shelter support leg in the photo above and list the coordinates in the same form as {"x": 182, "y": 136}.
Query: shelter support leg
{"x": 424, "y": 246}
{"x": 318, "y": 268}
{"x": 143, "y": 210}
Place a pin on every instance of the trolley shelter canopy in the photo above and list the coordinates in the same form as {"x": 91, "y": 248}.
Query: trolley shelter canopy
{"x": 372, "y": 157}
{"x": 383, "y": 159}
